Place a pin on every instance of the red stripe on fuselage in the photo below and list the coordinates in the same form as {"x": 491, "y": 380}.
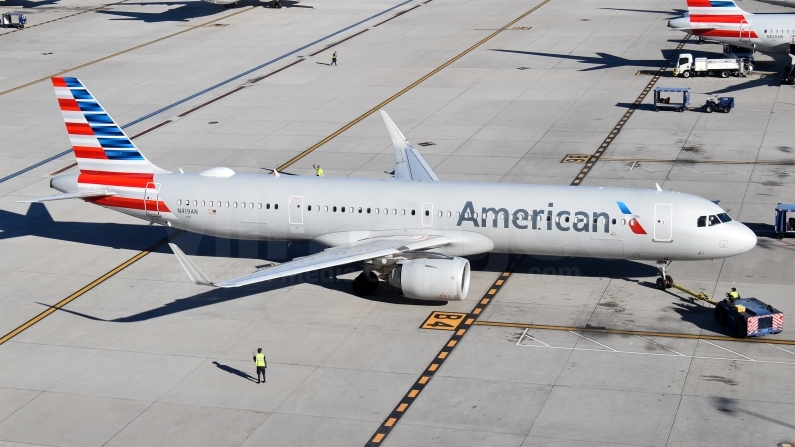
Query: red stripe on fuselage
{"x": 58, "y": 82}
{"x": 726, "y": 18}
{"x": 698, "y": 4}
{"x": 131, "y": 180}
{"x": 133, "y": 204}
{"x": 69, "y": 105}
{"x": 96, "y": 153}
{"x": 79, "y": 129}
{"x": 726, "y": 33}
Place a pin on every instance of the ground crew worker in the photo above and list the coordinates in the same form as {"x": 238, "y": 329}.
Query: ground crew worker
{"x": 333, "y": 59}
{"x": 259, "y": 360}
{"x": 318, "y": 170}
{"x": 733, "y": 295}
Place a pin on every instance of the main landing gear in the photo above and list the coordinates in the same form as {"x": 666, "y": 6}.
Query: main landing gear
{"x": 664, "y": 281}
{"x": 365, "y": 283}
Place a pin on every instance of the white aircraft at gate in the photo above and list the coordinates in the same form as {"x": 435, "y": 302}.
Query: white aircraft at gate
{"x": 411, "y": 231}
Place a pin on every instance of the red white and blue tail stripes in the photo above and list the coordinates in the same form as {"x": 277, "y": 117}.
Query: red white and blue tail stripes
{"x": 98, "y": 142}
{"x": 106, "y": 157}
{"x": 719, "y": 18}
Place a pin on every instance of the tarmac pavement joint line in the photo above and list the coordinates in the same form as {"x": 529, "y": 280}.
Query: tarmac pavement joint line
{"x": 123, "y": 51}
{"x": 402, "y": 92}
{"x": 624, "y": 118}
{"x": 463, "y": 325}
{"x": 87, "y": 288}
{"x": 64, "y": 17}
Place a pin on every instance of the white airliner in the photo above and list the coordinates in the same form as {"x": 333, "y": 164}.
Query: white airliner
{"x": 411, "y": 231}
{"x": 723, "y": 21}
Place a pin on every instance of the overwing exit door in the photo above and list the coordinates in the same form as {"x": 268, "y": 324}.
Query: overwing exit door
{"x": 296, "y": 210}
{"x": 152, "y": 199}
{"x": 427, "y": 214}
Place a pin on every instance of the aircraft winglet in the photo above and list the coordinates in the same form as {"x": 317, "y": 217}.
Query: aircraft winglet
{"x": 193, "y": 272}
{"x": 409, "y": 164}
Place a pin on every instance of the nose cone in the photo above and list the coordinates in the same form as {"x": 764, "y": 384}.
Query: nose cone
{"x": 681, "y": 23}
{"x": 746, "y": 239}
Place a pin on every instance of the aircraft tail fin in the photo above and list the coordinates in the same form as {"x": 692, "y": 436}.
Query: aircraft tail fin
{"x": 99, "y": 144}
{"x": 409, "y": 164}
{"x": 724, "y": 11}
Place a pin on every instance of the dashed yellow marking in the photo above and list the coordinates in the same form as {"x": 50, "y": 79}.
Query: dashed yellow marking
{"x": 499, "y": 282}
{"x": 451, "y": 343}
{"x": 402, "y": 407}
{"x": 492, "y": 291}
{"x": 460, "y": 332}
{"x": 433, "y": 367}
{"x": 424, "y": 380}
{"x": 390, "y": 422}
{"x": 485, "y": 301}
{"x": 442, "y": 355}
{"x": 378, "y": 437}
{"x": 413, "y": 393}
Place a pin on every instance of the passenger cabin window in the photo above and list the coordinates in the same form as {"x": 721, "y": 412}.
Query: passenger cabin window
{"x": 276, "y": 206}
{"x": 413, "y": 212}
{"x": 334, "y": 209}
{"x": 259, "y": 206}
{"x": 368, "y": 210}
{"x": 427, "y": 213}
{"x": 360, "y": 210}
{"x": 267, "y": 206}
{"x": 179, "y": 201}
{"x": 227, "y": 204}
{"x": 702, "y": 221}
{"x": 402, "y": 212}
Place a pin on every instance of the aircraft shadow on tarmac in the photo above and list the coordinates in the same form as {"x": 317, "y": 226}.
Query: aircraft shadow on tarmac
{"x": 184, "y": 11}
{"x": 729, "y": 405}
{"x": 673, "y": 12}
{"x": 26, "y": 4}
{"x": 601, "y": 61}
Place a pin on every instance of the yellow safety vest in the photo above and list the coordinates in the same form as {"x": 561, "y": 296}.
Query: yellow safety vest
{"x": 319, "y": 171}
{"x": 734, "y": 295}
{"x": 260, "y": 359}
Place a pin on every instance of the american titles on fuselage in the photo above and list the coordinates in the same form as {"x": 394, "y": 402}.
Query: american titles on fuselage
{"x": 522, "y": 219}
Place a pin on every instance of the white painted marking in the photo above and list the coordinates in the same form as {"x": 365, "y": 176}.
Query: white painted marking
{"x": 777, "y": 347}
{"x": 593, "y": 341}
{"x": 726, "y": 349}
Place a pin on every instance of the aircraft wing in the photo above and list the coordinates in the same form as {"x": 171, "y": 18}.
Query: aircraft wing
{"x": 69, "y": 195}
{"x": 359, "y": 251}
{"x": 409, "y": 164}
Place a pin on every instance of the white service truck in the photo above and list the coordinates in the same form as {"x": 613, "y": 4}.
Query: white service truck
{"x": 687, "y": 66}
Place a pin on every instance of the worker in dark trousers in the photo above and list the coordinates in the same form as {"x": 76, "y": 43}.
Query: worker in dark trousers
{"x": 333, "y": 59}
{"x": 259, "y": 360}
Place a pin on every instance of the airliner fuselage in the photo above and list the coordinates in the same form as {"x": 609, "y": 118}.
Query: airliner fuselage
{"x": 482, "y": 217}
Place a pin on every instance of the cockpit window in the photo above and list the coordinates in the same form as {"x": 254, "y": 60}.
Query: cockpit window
{"x": 702, "y": 221}
{"x": 724, "y": 217}
{"x": 713, "y": 220}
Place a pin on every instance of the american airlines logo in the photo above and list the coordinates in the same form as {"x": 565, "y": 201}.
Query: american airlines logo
{"x": 580, "y": 221}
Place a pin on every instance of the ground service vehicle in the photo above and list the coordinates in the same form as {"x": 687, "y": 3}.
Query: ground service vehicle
{"x": 686, "y": 66}
{"x": 785, "y": 225}
{"x": 749, "y": 317}
{"x": 724, "y": 105}
{"x": 662, "y": 100}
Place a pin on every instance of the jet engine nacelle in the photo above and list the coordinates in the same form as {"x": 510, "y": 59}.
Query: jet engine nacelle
{"x": 433, "y": 279}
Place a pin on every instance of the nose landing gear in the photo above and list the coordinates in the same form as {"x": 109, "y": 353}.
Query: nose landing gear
{"x": 665, "y": 281}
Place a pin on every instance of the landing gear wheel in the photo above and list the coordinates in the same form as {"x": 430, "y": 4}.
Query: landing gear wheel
{"x": 664, "y": 281}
